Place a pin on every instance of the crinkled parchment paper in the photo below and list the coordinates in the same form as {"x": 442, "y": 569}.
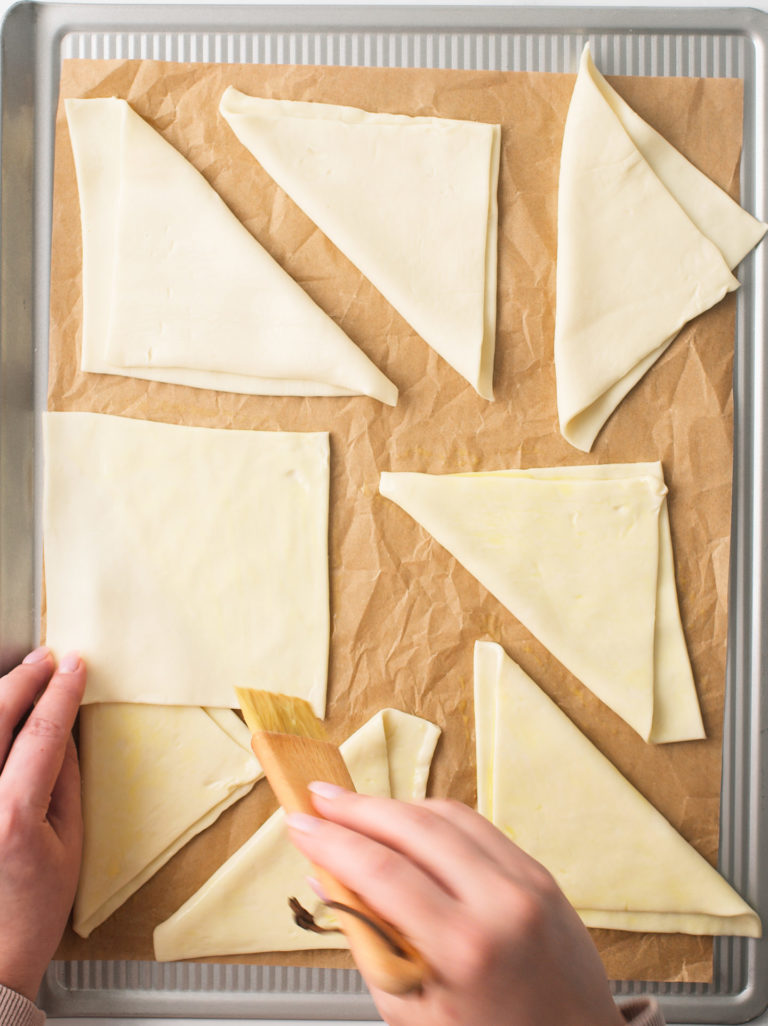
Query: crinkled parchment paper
{"x": 405, "y": 615}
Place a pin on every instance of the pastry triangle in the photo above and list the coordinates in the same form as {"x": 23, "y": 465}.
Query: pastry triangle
{"x": 411, "y": 201}
{"x": 534, "y": 538}
{"x": 620, "y": 863}
{"x": 645, "y": 243}
{"x": 676, "y": 710}
{"x": 153, "y": 777}
{"x": 176, "y": 289}
{"x": 243, "y": 907}
{"x": 186, "y": 558}
{"x": 731, "y": 228}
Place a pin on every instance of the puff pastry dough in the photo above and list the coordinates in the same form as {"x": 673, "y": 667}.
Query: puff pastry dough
{"x": 152, "y": 778}
{"x": 645, "y": 242}
{"x": 243, "y": 907}
{"x": 620, "y": 863}
{"x": 411, "y": 201}
{"x": 534, "y": 537}
{"x": 184, "y": 559}
{"x": 176, "y": 289}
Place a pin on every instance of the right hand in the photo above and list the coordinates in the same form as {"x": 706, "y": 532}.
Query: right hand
{"x": 504, "y": 945}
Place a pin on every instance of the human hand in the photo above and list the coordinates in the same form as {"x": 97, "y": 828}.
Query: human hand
{"x": 40, "y": 817}
{"x": 504, "y": 946}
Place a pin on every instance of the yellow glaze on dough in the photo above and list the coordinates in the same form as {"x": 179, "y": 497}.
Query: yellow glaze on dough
{"x": 186, "y": 559}
{"x": 645, "y": 243}
{"x": 243, "y": 907}
{"x": 534, "y": 537}
{"x": 152, "y": 778}
{"x": 411, "y": 201}
{"x": 176, "y": 289}
{"x": 620, "y": 863}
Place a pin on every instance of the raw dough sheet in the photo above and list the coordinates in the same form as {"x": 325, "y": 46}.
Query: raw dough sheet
{"x": 186, "y": 559}
{"x": 405, "y": 616}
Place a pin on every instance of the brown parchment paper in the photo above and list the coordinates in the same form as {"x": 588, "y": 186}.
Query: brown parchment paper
{"x": 405, "y": 615}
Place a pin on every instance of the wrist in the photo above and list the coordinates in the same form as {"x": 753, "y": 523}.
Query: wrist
{"x": 25, "y": 983}
{"x": 17, "y": 1010}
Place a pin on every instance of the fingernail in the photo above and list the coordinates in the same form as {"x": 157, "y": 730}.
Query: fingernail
{"x": 302, "y": 822}
{"x": 325, "y": 790}
{"x": 70, "y": 662}
{"x": 38, "y": 655}
{"x": 317, "y": 887}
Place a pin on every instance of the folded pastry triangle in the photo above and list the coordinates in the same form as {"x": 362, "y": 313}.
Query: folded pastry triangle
{"x": 618, "y": 860}
{"x": 176, "y": 289}
{"x": 731, "y": 228}
{"x": 243, "y": 908}
{"x": 645, "y": 243}
{"x": 411, "y": 201}
{"x": 534, "y": 538}
{"x": 676, "y": 710}
{"x": 183, "y": 558}
{"x": 152, "y": 778}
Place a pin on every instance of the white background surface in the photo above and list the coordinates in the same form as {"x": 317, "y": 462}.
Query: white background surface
{"x": 4, "y": 6}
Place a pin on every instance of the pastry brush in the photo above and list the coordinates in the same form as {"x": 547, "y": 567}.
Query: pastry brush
{"x": 291, "y": 744}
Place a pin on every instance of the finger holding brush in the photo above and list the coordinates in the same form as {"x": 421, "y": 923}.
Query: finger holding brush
{"x": 291, "y": 745}
{"x": 504, "y": 946}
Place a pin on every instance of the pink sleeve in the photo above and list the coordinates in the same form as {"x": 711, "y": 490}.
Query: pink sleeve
{"x": 642, "y": 1012}
{"x": 16, "y": 1010}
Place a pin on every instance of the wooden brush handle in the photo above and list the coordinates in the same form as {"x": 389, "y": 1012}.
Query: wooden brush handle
{"x": 375, "y": 947}
{"x": 290, "y": 763}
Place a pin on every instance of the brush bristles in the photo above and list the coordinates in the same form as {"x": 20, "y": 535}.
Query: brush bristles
{"x": 279, "y": 714}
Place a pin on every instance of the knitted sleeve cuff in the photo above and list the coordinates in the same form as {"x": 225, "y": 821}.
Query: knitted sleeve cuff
{"x": 642, "y": 1012}
{"x": 16, "y": 1010}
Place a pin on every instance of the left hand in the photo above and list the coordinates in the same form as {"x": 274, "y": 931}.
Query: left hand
{"x": 40, "y": 816}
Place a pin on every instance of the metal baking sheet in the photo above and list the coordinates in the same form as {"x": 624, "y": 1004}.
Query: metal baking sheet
{"x": 664, "y": 41}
